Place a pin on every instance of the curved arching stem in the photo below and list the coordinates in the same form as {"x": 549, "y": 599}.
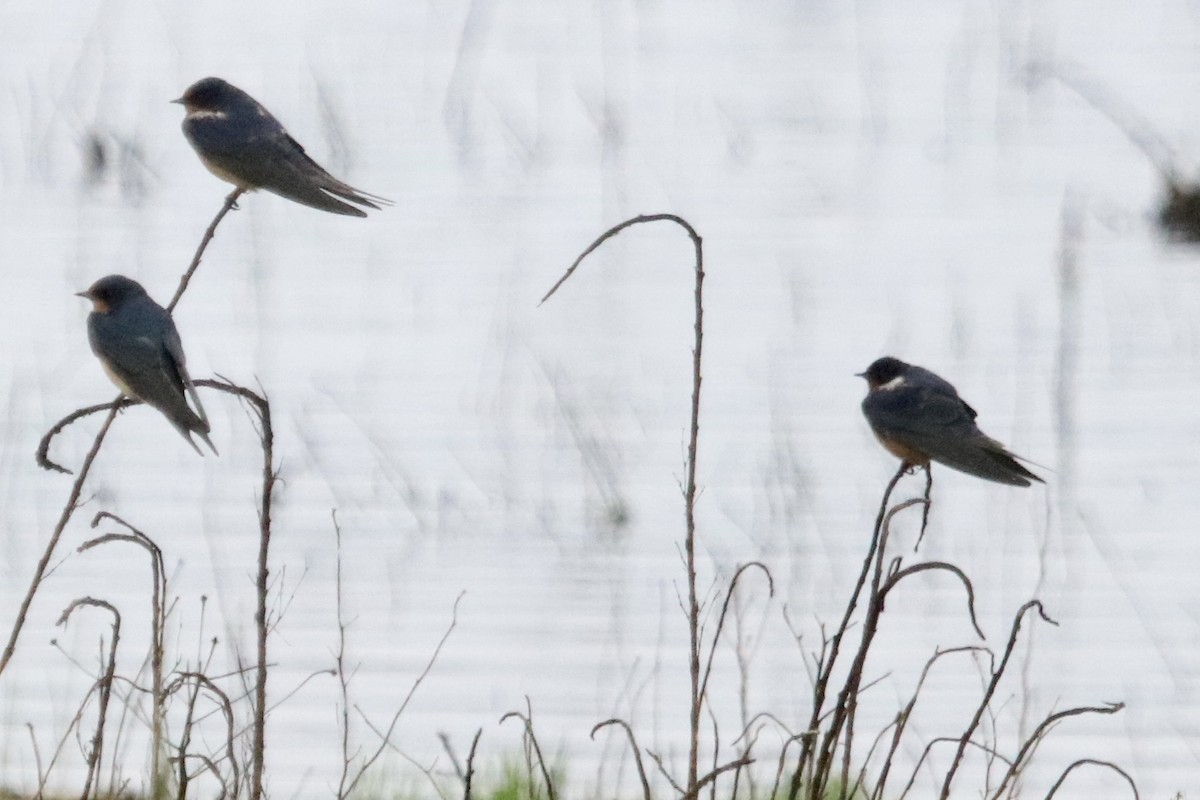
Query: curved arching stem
{"x": 693, "y": 609}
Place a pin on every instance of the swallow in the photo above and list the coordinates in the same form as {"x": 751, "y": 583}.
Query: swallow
{"x": 140, "y": 350}
{"x": 919, "y": 417}
{"x": 242, "y": 143}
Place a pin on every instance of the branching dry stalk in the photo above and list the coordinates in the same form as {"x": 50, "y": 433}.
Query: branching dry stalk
{"x": 693, "y": 603}
{"x": 385, "y": 736}
{"x": 831, "y": 731}
{"x": 827, "y": 659}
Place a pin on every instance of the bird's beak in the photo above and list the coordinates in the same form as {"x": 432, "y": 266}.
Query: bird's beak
{"x": 178, "y": 100}
{"x": 860, "y": 374}
{"x": 84, "y": 295}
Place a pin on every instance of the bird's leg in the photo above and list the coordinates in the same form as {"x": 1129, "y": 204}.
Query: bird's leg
{"x": 928, "y": 503}
{"x": 232, "y": 197}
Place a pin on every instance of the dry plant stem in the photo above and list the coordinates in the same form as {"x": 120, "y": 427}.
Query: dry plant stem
{"x": 714, "y": 774}
{"x": 157, "y": 629}
{"x": 664, "y": 772}
{"x": 470, "y": 774}
{"x": 73, "y": 725}
{"x": 809, "y": 738}
{"x": 846, "y": 708}
{"x": 737, "y": 776}
{"x": 444, "y": 738}
{"x": 1095, "y": 763}
{"x": 693, "y": 608}
{"x": 716, "y": 749}
{"x": 1042, "y": 731}
{"x": 43, "y": 451}
{"x": 186, "y": 278}
{"x": 64, "y": 517}
{"x": 989, "y": 752}
{"x": 185, "y": 740}
{"x": 211, "y": 767}
{"x": 37, "y": 756}
{"x": 986, "y": 700}
{"x": 340, "y": 661}
{"x": 902, "y": 718}
{"x": 104, "y": 685}
{"x": 725, "y": 611}
{"x": 203, "y": 681}
{"x": 532, "y": 742}
{"x": 633, "y": 745}
{"x": 385, "y": 736}
{"x": 944, "y": 566}
{"x": 266, "y": 437}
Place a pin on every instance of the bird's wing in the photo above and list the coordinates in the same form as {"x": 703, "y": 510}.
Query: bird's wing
{"x": 263, "y": 155}
{"x": 137, "y": 352}
{"x": 177, "y": 364}
{"x": 942, "y": 426}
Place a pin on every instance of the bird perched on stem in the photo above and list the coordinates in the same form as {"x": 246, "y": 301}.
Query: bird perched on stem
{"x": 140, "y": 350}
{"x": 919, "y": 417}
{"x": 242, "y": 143}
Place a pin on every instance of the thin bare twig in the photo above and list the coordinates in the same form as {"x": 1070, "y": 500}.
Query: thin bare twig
{"x": 186, "y": 278}
{"x": 666, "y": 774}
{"x": 733, "y": 582}
{"x": 340, "y": 661}
{"x": 385, "y": 736}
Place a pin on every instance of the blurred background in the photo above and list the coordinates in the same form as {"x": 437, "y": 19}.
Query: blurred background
{"x": 869, "y": 179}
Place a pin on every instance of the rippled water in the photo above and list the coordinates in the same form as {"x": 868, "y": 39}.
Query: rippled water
{"x": 867, "y": 180}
